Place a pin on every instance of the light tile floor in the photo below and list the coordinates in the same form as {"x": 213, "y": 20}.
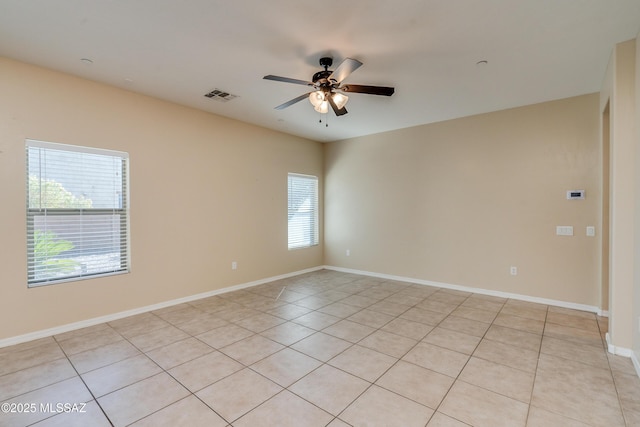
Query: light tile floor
{"x": 334, "y": 349}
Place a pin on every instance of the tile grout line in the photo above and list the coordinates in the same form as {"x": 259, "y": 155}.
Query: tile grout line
{"x": 323, "y": 363}
{"x": 461, "y": 369}
{"x": 141, "y": 352}
{"x": 613, "y": 378}
{"x": 191, "y": 393}
{"x": 339, "y": 288}
{"x": 95, "y": 399}
{"x": 257, "y": 333}
{"x": 371, "y": 384}
{"x": 535, "y": 374}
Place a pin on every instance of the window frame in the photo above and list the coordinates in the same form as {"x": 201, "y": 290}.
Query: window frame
{"x": 122, "y": 212}
{"x": 314, "y": 239}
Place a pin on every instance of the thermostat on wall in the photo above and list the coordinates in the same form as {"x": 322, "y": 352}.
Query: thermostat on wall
{"x": 575, "y": 194}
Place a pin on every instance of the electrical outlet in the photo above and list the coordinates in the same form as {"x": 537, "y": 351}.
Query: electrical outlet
{"x": 513, "y": 271}
{"x": 348, "y": 252}
{"x": 234, "y": 265}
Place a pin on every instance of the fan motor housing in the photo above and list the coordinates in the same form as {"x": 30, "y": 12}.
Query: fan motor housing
{"x": 322, "y": 77}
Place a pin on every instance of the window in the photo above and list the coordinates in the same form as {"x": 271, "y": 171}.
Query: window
{"x": 77, "y": 212}
{"x": 303, "y": 211}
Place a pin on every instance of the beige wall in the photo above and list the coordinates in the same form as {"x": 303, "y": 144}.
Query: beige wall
{"x": 461, "y": 201}
{"x": 457, "y": 202}
{"x": 618, "y": 93}
{"x": 203, "y": 188}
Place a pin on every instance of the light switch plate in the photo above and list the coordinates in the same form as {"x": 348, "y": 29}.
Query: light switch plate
{"x": 591, "y": 231}
{"x": 564, "y": 230}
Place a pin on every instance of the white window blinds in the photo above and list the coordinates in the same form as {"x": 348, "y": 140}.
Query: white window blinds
{"x": 303, "y": 211}
{"x": 77, "y": 212}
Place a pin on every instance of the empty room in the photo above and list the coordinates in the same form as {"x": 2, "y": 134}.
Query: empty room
{"x": 320, "y": 214}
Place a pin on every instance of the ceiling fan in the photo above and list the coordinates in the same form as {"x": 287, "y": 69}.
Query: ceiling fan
{"x": 328, "y": 88}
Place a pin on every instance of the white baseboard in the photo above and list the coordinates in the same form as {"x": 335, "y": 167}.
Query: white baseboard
{"x": 557, "y": 303}
{"x": 636, "y": 362}
{"x": 115, "y": 316}
{"x": 610, "y": 347}
{"x": 620, "y": 351}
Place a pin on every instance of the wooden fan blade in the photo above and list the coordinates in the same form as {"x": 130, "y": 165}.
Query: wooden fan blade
{"x": 345, "y": 68}
{"x": 293, "y": 101}
{"x": 371, "y": 90}
{"x": 288, "y": 80}
{"x": 339, "y": 111}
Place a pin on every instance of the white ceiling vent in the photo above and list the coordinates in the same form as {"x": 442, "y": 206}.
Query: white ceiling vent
{"x": 220, "y": 95}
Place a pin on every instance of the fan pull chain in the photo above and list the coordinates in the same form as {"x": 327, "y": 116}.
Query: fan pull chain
{"x": 326, "y": 122}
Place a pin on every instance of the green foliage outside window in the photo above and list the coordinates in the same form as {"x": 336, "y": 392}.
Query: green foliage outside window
{"x": 47, "y": 247}
{"x": 52, "y": 195}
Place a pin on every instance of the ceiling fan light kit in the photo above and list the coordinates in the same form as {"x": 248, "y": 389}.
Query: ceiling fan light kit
{"x": 316, "y": 98}
{"x": 328, "y": 88}
{"x": 320, "y": 100}
{"x": 323, "y": 107}
{"x": 340, "y": 99}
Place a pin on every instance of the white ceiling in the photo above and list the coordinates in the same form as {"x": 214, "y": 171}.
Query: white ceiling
{"x": 537, "y": 50}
